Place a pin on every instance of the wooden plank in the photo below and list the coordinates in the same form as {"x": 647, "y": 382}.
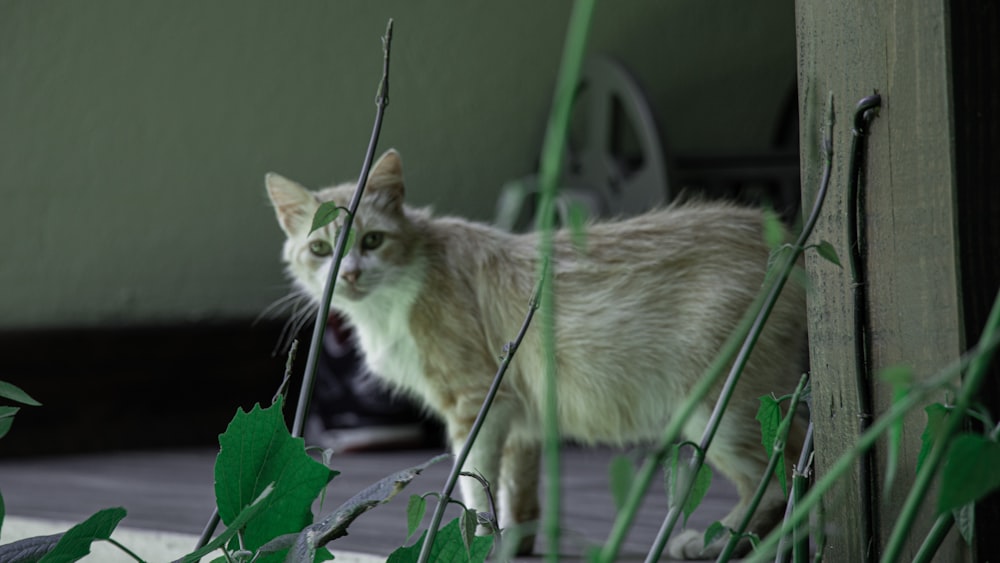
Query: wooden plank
{"x": 853, "y": 48}
{"x": 172, "y": 490}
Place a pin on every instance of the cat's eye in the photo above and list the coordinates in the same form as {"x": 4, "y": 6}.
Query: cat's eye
{"x": 320, "y": 248}
{"x": 372, "y": 240}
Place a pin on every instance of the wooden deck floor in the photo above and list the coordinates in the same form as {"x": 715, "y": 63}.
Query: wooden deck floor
{"x": 173, "y": 491}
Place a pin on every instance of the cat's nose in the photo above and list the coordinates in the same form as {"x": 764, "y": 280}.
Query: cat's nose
{"x": 350, "y": 276}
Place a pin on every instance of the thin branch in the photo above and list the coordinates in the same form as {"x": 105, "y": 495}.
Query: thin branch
{"x": 316, "y": 344}
{"x": 776, "y": 458}
{"x": 449, "y": 487}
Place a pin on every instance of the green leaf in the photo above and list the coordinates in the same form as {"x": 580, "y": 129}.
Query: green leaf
{"x": 699, "y": 485}
{"x": 965, "y": 521}
{"x": 970, "y": 471}
{"x": 622, "y": 473}
{"x": 75, "y": 543}
{"x": 326, "y": 213}
{"x": 576, "y": 217}
{"x": 415, "y": 510}
{"x": 257, "y": 450}
{"x": 774, "y": 230}
{"x": 769, "y": 416}
{"x": 467, "y": 526}
{"x": 14, "y": 393}
{"x": 936, "y": 413}
{"x": 826, "y": 251}
{"x": 897, "y": 375}
{"x": 714, "y": 532}
{"x": 7, "y": 419}
{"x": 901, "y": 379}
{"x": 350, "y": 240}
{"x": 448, "y": 548}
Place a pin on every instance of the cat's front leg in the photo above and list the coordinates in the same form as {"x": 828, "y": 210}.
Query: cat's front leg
{"x": 484, "y": 460}
{"x": 519, "y": 472}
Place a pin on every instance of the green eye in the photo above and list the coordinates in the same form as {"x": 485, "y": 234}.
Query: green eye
{"x": 320, "y": 248}
{"x": 372, "y": 240}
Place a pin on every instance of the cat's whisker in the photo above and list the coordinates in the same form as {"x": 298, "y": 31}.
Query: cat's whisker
{"x": 300, "y": 310}
{"x": 281, "y": 305}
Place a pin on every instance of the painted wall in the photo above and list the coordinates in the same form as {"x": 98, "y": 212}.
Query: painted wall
{"x": 134, "y": 136}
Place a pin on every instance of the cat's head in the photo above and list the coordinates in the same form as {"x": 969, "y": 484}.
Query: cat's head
{"x": 383, "y": 243}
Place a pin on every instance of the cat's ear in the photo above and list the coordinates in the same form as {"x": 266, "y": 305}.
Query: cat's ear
{"x": 293, "y": 204}
{"x": 385, "y": 181}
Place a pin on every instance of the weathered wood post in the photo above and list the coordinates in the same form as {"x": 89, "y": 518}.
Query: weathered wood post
{"x": 853, "y": 48}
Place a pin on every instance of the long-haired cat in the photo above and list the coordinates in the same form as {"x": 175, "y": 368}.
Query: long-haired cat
{"x": 641, "y": 309}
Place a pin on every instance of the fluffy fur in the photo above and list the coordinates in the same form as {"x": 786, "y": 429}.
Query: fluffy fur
{"x": 641, "y": 310}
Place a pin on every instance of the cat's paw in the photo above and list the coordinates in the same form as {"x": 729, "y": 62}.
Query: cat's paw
{"x": 690, "y": 544}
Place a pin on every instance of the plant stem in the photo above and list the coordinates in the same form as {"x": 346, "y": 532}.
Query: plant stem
{"x": 973, "y": 379}
{"x": 456, "y": 470}
{"x": 776, "y": 457}
{"x": 934, "y": 538}
{"x": 746, "y": 332}
{"x": 127, "y": 551}
{"x": 316, "y": 344}
{"x": 551, "y": 163}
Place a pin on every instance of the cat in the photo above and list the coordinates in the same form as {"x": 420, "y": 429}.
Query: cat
{"x": 642, "y": 307}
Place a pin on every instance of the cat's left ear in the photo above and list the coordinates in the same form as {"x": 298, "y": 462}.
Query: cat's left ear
{"x": 385, "y": 180}
{"x": 293, "y": 204}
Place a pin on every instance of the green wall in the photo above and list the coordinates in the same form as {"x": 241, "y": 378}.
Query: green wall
{"x": 134, "y": 136}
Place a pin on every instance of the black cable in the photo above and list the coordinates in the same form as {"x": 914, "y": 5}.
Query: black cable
{"x": 865, "y": 112}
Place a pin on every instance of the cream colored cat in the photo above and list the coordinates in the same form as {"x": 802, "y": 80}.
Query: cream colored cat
{"x": 640, "y": 312}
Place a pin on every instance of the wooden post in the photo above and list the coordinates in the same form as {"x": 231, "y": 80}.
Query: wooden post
{"x": 854, "y": 48}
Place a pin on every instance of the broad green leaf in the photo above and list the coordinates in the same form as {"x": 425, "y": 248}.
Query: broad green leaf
{"x": 970, "y": 471}
{"x": 415, "y": 510}
{"x": 327, "y": 213}
{"x": 448, "y": 548}
{"x": 965, "y": 521}
{"x": 826, "y": 251}
{"x": 769, "y": 416}
{"x": 256, "y": 451}
{"x": 714, "y": 532}
{"x": 14, "y": 393}
{"x": 75, "y": 543}
{"x": 622, "y": 473}
{"x": 936, "y": 413}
